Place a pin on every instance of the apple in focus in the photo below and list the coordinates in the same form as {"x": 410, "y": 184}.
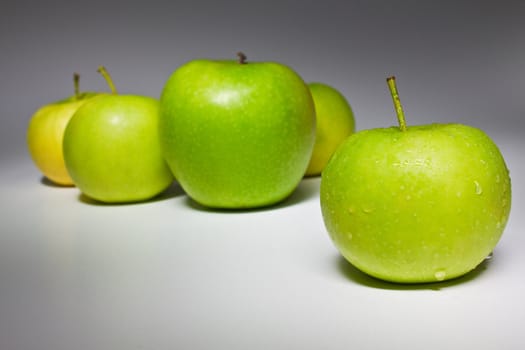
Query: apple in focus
{"x": 416, "y": 204}
{"x": 112, "y": 150}
{"x": 237, "y": 134}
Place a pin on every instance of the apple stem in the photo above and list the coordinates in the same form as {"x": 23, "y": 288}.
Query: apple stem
{"x": 76, "y": 82}
{"x": 242, "y": 57}
{"x": 102, "y": 70}
{"x": 391, "y": 81}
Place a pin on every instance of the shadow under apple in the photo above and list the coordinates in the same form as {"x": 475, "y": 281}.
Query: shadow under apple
{"x": 46, "y": 182}
{"x": 355, "y": 275}
{"x": 173, "y": 191}
{"x": 307, "y": 189}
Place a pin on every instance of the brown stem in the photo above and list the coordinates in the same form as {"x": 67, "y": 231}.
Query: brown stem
{"x": 76, "y": 81}
{"x": 242, "y": 57}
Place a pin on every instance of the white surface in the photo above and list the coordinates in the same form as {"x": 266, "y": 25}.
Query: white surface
{"x": 169, "y": 275}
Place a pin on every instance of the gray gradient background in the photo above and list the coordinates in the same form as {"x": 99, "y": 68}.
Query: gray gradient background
{"x": 165, "y": 275}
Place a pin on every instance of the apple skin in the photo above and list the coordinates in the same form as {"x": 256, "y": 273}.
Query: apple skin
{"x": 237, "y": 135}
{"x": 112, "y": 150}
{"x": 45, "y": 134}
{"x": 335, "y": 122}
{"x": 424, "y": 205}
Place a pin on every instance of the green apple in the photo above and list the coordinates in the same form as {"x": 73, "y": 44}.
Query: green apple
{"x": 112, "y": 149}
{"x": 416, "y": 204}
{"x": 237, "y": 134}
{"x": 335, "y": 122}
{"x": 46, "y": 132}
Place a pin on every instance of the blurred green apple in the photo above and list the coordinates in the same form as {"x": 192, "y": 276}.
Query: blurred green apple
{"x": 237, "y": 134}
{"x": 46, "y": 133}
{"x": 416, "y": 204}
{"x": 335, "y": 122}
{"x": 112, "y": 149}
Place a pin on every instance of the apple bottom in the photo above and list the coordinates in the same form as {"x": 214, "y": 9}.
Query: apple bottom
{"x": 406, "y": 265}
{"x": 415, "y": 236}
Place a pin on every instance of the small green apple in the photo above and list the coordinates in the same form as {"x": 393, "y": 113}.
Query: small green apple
{"x": 335, "y": 122}
{"x": 46, "y": 132}
{"x": 112, "y": 149}
{"x": 237, "y": 134}
{"x": 416, "y": 204}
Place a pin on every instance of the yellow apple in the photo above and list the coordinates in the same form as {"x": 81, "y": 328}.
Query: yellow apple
{"x": 46, "y": 132}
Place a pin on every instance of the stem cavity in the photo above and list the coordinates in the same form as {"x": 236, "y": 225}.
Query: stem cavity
{"x": 102, "y": 70}
{"x": 391, "y": 81}
{"x": 242, "y": 57}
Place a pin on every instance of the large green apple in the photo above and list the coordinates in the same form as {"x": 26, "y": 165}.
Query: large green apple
{"x": 335, "y": 122}
{"x": 45, "y": 134}
{"x": 237, "y": 134}
{"x": 112, "y": 149}
{"x": 416, "y": 204}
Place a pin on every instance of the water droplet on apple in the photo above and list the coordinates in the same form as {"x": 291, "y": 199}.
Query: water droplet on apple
{"x": 498, "y": 179}
{"x": 458, "y": 194}
{"x": 440, "y": 275}
{"x": 498, "y": 224}
{"x": 479, "y": 189}
{"x": 349, "y": 236}
{"x": 351, "y": 211}
{"x": 488, "y": 257}
{"x": 408, "y": 197}
{"x": 367, "y": 210}
{"x": 483, "y": 161}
